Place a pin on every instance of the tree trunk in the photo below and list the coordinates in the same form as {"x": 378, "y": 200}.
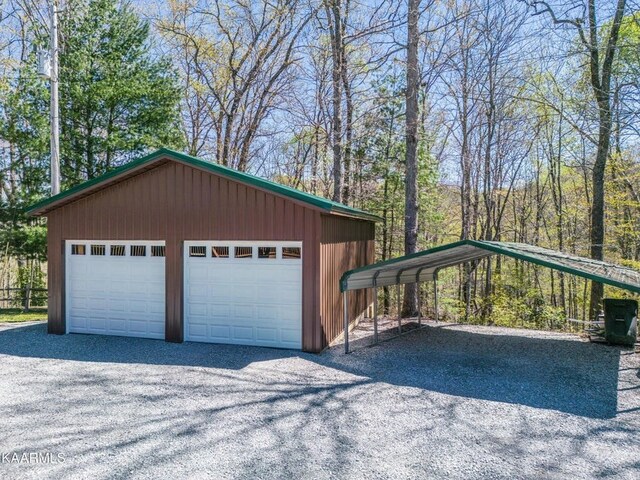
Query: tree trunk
{"x": 348, "y": 132}
{"x": 597, "y": 207}
{"x": 601, "y": 85}
{"x": 334, "y": 19}
{"x": 410, "y": 304}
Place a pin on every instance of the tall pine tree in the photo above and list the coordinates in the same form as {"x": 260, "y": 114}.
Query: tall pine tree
{"x": 117, "y": 99}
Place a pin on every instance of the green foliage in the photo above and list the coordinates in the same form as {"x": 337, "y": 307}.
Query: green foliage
{"x": 627, "y": 63}
{"x": 525, "y": 310}
{"x": 383, "y": 147}
{"x": 116, "y": 99}
{"x": 23, "y": 240}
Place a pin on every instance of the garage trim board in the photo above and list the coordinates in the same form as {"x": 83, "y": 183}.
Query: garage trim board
{"x": 115, "y": 287}
{"x": 243, "y": 292}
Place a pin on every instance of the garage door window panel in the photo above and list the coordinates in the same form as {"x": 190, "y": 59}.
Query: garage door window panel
{"x": 267, "y": 252}
{"x": 219, "y": 252}
{"x": 77, "y": 249}
{"x": 243, "y": 252}
{"x": 198, "y": 251}
{"x": 98, "y": 250}
{"x": 138, "y": 250}
{"x": 291, "y": 253}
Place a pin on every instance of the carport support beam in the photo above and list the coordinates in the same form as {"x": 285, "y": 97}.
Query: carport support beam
{"x": 399, "y": 310}
{"x": 346, "y": 321}
{"x": 418, "y": 293}
{"x": 375, "y": 314}
{"x": 419, "y": 296}
{"x": 435, "y": 297}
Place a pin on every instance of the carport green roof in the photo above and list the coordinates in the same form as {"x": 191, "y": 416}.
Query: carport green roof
{"x": 424, "y": 265}
{"x": 148, "y": 161}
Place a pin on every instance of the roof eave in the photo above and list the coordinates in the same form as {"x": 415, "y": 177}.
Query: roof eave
{"x": 362, "y": 215}
{"x": 51, "y": 203}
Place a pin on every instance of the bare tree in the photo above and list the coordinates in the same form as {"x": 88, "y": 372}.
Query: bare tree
{"x": 599, "y": 45}
{"x": 241, "y": 53}
{"x": 335, "y": 24}
{"x": 410, "y": 304}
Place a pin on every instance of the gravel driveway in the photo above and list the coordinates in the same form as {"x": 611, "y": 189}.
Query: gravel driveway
{"x": 447, "y": 401}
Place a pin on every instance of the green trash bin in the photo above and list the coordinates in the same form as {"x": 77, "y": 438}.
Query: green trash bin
{"x": 620, "y": 321}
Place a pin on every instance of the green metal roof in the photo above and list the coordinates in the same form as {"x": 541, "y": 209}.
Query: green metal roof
{"x": 89, "y": 186}
{"x": 424, "y": 265}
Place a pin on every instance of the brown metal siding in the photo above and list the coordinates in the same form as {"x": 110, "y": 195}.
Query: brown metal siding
{"x": 345, "y": 244}
{"x": 176, "y": 202}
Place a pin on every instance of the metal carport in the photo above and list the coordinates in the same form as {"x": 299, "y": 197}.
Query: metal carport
{"x": 424, "y": 266}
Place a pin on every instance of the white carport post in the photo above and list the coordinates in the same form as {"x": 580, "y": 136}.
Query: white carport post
{"x": 375, "y": 314}
{"x": 419, "y": 296}
{"x": 346, "y": 321}
{"x": 399, "y": 310}
{"x": 435, "y": 295}
{"x": 375, "y": 306}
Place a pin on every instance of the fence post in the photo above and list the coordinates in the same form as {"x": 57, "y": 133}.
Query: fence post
{"x": 27, "y": 291}
{"x": 27, "y": 298}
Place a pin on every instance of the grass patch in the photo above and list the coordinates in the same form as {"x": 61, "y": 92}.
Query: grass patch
{"x": 12, "y": 315}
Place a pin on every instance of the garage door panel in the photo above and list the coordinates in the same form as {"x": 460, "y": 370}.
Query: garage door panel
{"x": 244, "y": 312}
{"x": 268, "y": 312}
{"x": 116, "y": 287}
{"x": 156, "y": 295}
{"x": 289, "y": 335}
{"x": 99, "y": 324}
{"x": 137, "y": 326}
{"x": 156, "y": 287}
{"x": 267, "y": 334}
{"x": 219, "y": 332}
{"x": 243, "y": 333}
{"x": 137, "y": 288}
{"x": 197, "y": 309}
{"x": 157, "y": 328}
{"x": 81, "y": 301}
{"x": 98, "y": 303}
{"x": 137, "y": 306}
{"x": 248, "y": 300}
{"x": 119, "y": 270}
{"x": 222, "y": 291}
{"x": 119, "y": 311}
{"x": 78, "y": 321}
{"x": 113, "y": 294}
{"x": 197, "y": 329}
{"x": 217, "y": 275}
{"x": 199, "y": 294}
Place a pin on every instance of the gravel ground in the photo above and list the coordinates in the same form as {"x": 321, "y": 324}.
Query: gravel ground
{"x": 446, "y": 401}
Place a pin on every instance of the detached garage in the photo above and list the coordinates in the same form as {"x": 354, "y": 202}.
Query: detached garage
{"x": 172, "y": 247}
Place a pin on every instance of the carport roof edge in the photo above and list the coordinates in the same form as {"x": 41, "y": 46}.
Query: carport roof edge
{"x": 604, "y": 272}
{"x": 48, "y": 204}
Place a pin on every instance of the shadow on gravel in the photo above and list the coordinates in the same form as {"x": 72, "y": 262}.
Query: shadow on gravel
{"x": 33, "y": 341}
{"x": 565, "y": 375}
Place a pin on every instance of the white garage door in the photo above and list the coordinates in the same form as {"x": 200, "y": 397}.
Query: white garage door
{"x": 247, "y": 293}
{"x": 115, "y": 288}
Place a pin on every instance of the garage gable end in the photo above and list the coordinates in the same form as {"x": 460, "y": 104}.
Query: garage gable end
{"x": 166, "y": 155}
